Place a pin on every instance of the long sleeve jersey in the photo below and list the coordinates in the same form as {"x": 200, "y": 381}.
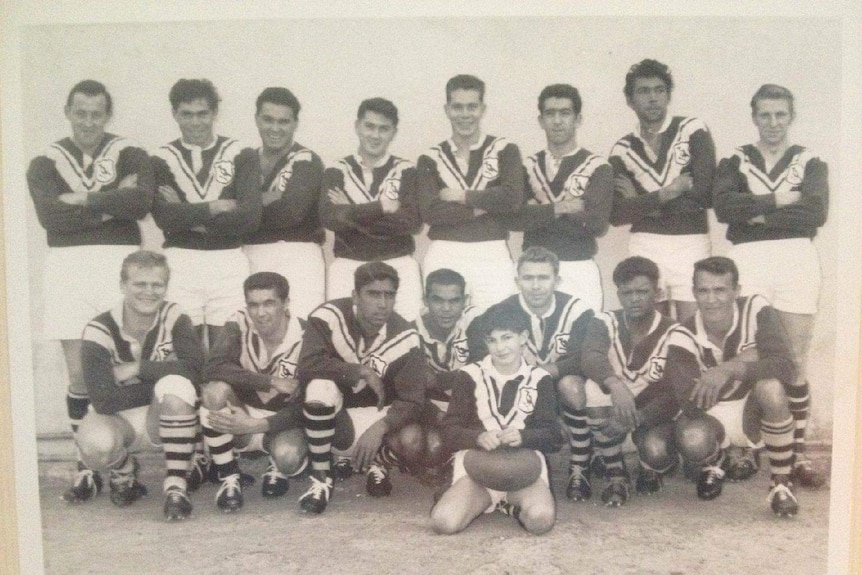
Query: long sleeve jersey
{"x": 227, "y": 173}
{"x": 335, "y": 348}
{"x": 744, "y": 190}
{"x": 494, "y": 182}
{"x": 362, "y": 231}
{"x": 445, "y": 358}
{"x": 296, "y": 179}
{"x": 109, "y": 215}
{"x": 686, "y": 148}
{"x": 485, "y": 400}
{"x": 756, "y": 325}
{"x": 171, "y": 346}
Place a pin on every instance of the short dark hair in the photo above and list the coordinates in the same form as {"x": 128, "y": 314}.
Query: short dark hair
{"x": 186, "y": 90}
{"x": 772, "y": 92}
{"x": 144, "y": 259}
{"x": 465, "y": 82}
{"x": 371, "y": 272}
{"x": 539, "y": 254}
{"x": 503, "y": 317}
{"x": 561, "y": 91}
{"x": 91, "y": 88}
{"x": 380, "y": 106}
{"x": 267, "y": 280}
{"x": 635, "y": 266}
{"x": 717, "y": 266}
{"x": 445, "y": 277}
{"x": 280, "y": 97}
{"x": 647, "y": 69}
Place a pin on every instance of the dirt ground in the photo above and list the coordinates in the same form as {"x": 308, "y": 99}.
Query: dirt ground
{"x": 671, "y": 533}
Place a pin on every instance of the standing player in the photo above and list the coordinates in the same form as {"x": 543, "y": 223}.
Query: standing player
{"x": 664, "y": 171}
{"x": 571, "y": 196}
{"x": 731, "y": 364}
{"x": 774, "y": 196}
{"x": 501, "y": 424}
{"x": 360, "y": 356}
{"x": 370, "y": 204}
{"x": 464, "y": 183}
{"x": 251, "y": 402}
{"x": 141, "y": 363}
{"x": 206, "y": 201}
{"x": 89, "y": 191}
{"x": 290, "y": 230}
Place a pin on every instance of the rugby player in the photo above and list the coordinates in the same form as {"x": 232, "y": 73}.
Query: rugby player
{"x": 774, "y": 196}
{"x": 89, "y": 190}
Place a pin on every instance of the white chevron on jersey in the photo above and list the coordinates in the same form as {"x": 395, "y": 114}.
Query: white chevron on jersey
{"x": 488, "y": 389}
{"x": 559, "y": 337}
{"x": 678, "y": 157}
{"x": 220, "y": 174}
{"x": 360, "y": 192}
{"x": 451, "y": 354}
{"x": 451, "y": 174}
{"x": 279, "y": 182}
{"x": 108, "y": 334}
{"x": 650, "y": 371}
{"x": 104, "y": 165}
{"x": 255, "y": 357}
{"x": 759, "y": 181}
{"x": 576, "y": 182}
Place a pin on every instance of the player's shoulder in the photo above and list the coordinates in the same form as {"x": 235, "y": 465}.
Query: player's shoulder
{"x": 301, "y": 153}
{"x": 688, "y": 125}
{"x": 588, "y": 158}
{"x": 665, "y": 324}
{"x": 684, "y": 337}
{"x": 102, "y": 330}
{"x": 622, "y": 145}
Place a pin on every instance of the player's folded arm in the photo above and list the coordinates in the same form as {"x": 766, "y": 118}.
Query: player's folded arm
{"x": 433, "y": 210}
{"x": 811, "y": 210}
{"x": 702, "y": 169}
{"x": 543, "y": 431}
{"x": 680, "y": 374}
{"x": 508, "y": 193}
{"x": 627, "y": 210}
{"x": 299, "y": 200}
{"x": 731, "y": 198}
{"x": 56, "y": 216}
{"x": 319, "y": 360}
{"x": 598, "y": 202}
{"x": 107, "y": 395}
{"x": 129, "y": 203}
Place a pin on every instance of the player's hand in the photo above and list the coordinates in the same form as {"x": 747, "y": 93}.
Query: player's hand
{"x": 680, "y": 184}
{"x": 511, "y": 437}
{"x": 270, "y": 196}
{"x": 761, "y": 219}
{"x": 552, "y": 369}
{"x": 338, "y": 196}
{"x": 708, "y": 386}
{"x": 235, "y": 421}
{"x": 569, "y": 206}
{"x": 372, "y": 380}
{"x": 489, "y": 440}
{"x": 169, "y": 194}
{"x": 368, "y": 444}
{"x": 129, "y": 181}
{"x": 285, "y": 385}
{"x": 73, "y": 199}
{"x": 221, "y": 206}
{"x": 624, "y": 187}
{"x": 126, "y": 371}
{"x": 478, "y": 212}
{"x": 389, "y": 205}
{"x": 624, "y": 403}
{"x": 453, "y": 195}
{"x": 785, "y": 198}
{"x": 613, "y": 427}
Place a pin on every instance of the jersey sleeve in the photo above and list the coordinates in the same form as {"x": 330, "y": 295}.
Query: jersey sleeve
{"x": 811, "y": 209}
{"x": 508, "y": 192}
{"x": 223, "y": 363}
{"x": 107, "y": 395}
{"x": 542, "y": 430}
{"x": 682, "y": 369}
{"x": 570, "y": 363}
{"x": 732, "y": 199}
{"x": 300, "y": 198}
{"x": 628, "y": 210}
{"x": 702, "y": 170}
{"x": 405, "y": 220}
{"x": 594, "y": 353}
{"x": 128, "y": 202}
{"x": 244, "y": 189}
{"x": 174, "y": 217}
{"x": 432, "y": 209}
{"x": 407, "y": 375}
{"x": 461, "y": 426}
{"x": 319, "y": 360}
{"x": 45, "y": 187}
{"x": 189, "y": 355}
{"x": 774, "y": 354}
{"x": 598, "y": 201}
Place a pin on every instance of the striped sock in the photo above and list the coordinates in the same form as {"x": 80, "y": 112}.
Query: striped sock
{"x": 386, "y": 458}
{"x": 580, "y": 438}
{"x": 319, "y": 429}
{"x": 800, "y": 400}
{"x": 76, "y": 408}
{"x": 779, "y": 441}
{"x": 177, "y": 433}
{"x": 220, "y": 446}
{"x": 610, "y": 449}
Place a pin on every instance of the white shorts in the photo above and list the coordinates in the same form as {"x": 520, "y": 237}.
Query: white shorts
{"x": 362, "y": 418}
{"x": 408, "y": 302}
{"x": 207, "y": 284}
{"x": 146, "y": 426}
{"x": 301, "y": 263}
{"x": 458, "y": 472}
{"x": 786, "y": 272}
{"x": 675, "y": 257}
{"x": 583, "y": 280}
{"x": 79, "y": 283}
{"x": 731, "y": 416}
{"x": 487, "y": 267}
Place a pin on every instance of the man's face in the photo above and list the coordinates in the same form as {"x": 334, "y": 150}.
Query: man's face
{"x": 537, "y": 282}
{"x": 276, "y": 125}
{"x": 195, "y": 120}
{"x": 715, "y": 296}
{"x": 465, "y": 110}
{"x": 559, "y": 121}
{"x": 637, "y": 297}
{"x": 144, "y": 289}
{"x": 375, "y": 132}
{"x": 773, "y": 119}
{"x": 268, "y": 312}
{"x": 88, "y": 116}
{"x": 375, "y": 302}
{"x": 650, "y": 99}
{"x": 506, "y": 347}
{"x": 445, "y": 305}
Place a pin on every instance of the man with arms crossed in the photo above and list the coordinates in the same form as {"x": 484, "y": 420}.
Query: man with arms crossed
{"x": 141, "y": 364}
{"x": 289, "y": 238}
{"x": 89, "y": 190}
{"x": 464, "y": 183}
{"x": 370, "y": 204}
{"x": 664, "y": 171}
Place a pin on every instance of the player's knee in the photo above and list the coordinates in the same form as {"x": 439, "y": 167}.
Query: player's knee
{"x": 215, "y": 395}
{"x": 434, "y": 451}
{"x": 655, "y": 448}
{"x": 696, "y": 439}
{"x": 323, "y": 392}
{"x": 444, "y": 521}
{"x": 409, "y": 442}
{"x": 289, "y": 450}
{"x": 770, "y": 395}
{"x": 176, "y": 394}
{"x": 571, "y": 391}
{"x": 537, "y": 519}
{"x": 100, "y": 445}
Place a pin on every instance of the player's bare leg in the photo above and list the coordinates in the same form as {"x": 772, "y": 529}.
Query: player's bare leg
{"x": 404, "y": 450}
{"x": 459, "y": 506}
{"x": 104, "y": 441}
{"x": 323, "y": 401}
{"x": 173, "y": 417}
{"x": 699, "y": 441}
{"x": 777, "y": 428}
{"x": 573, "y": 401}
{"x": 657, "y": 454}
{"x": 534, "y": 507}
{"x": 215, "y": 396}
{"x": 288, "y": 457}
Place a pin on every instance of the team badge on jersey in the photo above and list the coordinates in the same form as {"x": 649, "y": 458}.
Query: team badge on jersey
{"x": 576, "y": 184}
{"x": 682, "y": 153}
{"x": 223, "y": 172}
{"x": 560, "y": 342}
{"x": 284, "y": 177}
{"x": 391, "y": 185}
{"x": 656, "y": 368}
{"x": 164, "y": 351}
{"x": 377, "y": 363}
{"x": 285, "y": 368}
{"x": 795, "y": 173}
{"x": 490, "y": 167}
{"x": 527, "y": 399}
{"x": 462, "y": 352}
{"x": 104, "y": 171}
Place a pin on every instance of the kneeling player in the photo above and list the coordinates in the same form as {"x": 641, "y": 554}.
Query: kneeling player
{"x": 360, "y": 356}
{"x": 141, "y": 364}
{"x": 251, "y": 401}
{"x": 731, "y": 365}
{"x": 501, "y": 421}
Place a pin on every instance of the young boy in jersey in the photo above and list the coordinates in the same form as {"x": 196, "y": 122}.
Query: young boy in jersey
{"x": 504, "y": 407}
{"x": 731, "y": 365}
{"x": 570, "y": 193}
{"x": 252, "y": 401}
{"x": 464, "y": 183}
{"x": 290, "y": 229}
{"x": 141, "y": 364}
{"x": 89, "y": 190}
{"x": 774, "y": 196}
{"x": 664, "y": 171}
{"x": 361, "y": 357}
{"x": 370, "y": 204}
